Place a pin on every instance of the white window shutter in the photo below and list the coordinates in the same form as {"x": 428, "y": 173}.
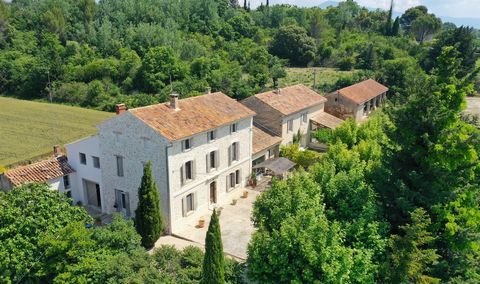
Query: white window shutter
{"x": 207, "y": 162}
{"x": 118, "y": 200}
{"x": 194, "y": 201}
{"x": 217, "y": 159}
{"x": 194, "y": 170}
{"x": 227, "y": 181}
{"x": 238, "y": 151}
{"x": 230, "y": 155}
{"x": 184, "y": 207}
{"x": 182, "y": 175}
{"x": 127, "y": 201}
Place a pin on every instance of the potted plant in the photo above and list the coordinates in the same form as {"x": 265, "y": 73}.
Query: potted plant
{"x": 219, "y": 211}
{"x": 253, "y": 179}
{"x": 234, "y": 201}
{"x": 201, "y": 222}
{"x": 245, "y": 194}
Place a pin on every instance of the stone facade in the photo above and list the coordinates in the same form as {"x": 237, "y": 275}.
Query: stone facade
{"x": 127, "y": 138}
{"x": 299, "y": 124}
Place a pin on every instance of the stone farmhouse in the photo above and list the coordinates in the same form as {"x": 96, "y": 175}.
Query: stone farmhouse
{"x": 356, "y": 101}
{"x": 202, "y": 149}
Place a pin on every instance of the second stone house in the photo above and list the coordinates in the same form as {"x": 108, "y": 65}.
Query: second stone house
{"x": 290, "y": 113}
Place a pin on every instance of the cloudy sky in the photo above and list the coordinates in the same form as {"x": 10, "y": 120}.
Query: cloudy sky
{"x": 450, "y": 8}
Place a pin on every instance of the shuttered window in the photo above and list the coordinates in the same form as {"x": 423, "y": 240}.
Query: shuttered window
{"x": 187, "y": 172}
{"x": 189, "y": 204}
{"x": 212, "y": 161}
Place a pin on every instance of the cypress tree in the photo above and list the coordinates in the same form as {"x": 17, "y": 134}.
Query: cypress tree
{"x": 148, "y": 216}
{"x": 245, "y": 4}
{"x": 388, "y": 24}
{"x": 268, "y": 3}
{"x": 213, "y": 262}
{"x": 396, "y": 27}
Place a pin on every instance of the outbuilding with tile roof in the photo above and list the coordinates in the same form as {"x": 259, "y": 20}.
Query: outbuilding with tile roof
{"x": 54, "y": 171}
{"x": 356, "y": 101}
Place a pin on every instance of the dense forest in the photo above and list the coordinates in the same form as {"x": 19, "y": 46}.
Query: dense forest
{"x": 393, "y": 200}
{"x": 137, "y": 51}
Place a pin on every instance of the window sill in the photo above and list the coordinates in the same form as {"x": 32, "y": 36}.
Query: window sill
{"x": 187, "y": 182}
{"x": 189, "y": 213}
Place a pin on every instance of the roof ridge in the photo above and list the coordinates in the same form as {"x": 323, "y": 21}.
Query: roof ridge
{"x": 180, "y": 100}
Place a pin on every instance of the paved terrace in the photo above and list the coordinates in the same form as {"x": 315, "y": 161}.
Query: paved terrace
{"x": 235, "y": 224}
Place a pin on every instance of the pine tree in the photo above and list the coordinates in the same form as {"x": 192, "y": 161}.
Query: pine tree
{"x": 148, "y": 217}
{"x": 396, "y": 27}
{"x": 410, "y": 259}
{"x": 214, "y": 262}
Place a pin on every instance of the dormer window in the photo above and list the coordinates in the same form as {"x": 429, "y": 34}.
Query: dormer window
{"x": 211, "y": 135}
{"x": 187, "y": 144}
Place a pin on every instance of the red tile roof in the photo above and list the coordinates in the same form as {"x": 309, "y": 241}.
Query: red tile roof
{"x": 40, "y": 171}
{"x": 363, "y": 91}
{"x": 327, "y": 120}
{"x": 263, "y": 139}
{"x": 195, "y": 115}
{"x": 290, "y": 100}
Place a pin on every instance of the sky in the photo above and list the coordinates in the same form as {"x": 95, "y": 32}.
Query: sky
{"x": 449, "y": 8}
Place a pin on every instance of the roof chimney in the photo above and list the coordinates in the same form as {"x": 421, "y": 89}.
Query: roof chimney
{"x": 120, "y": 108}
{"x": 209, "y": 90}
{"x": 277, "y": 91}
{"x": 174, "y": 101}
{"x": 56, "y": 151}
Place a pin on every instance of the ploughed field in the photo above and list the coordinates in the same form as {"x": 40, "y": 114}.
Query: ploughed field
{"x": 28, "y": 130}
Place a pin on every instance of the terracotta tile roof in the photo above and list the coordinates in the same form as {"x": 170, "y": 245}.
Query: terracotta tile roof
{"x": 363, "y": 91}
{"x": 290, "y": 100}
{"x": 327, "y": 120}
{"x": 195, "y": 115}
{"x": 263, "y": 139}
{"x": 40, "y": 171}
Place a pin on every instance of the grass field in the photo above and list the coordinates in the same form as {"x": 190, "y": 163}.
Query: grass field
{"x": 29, "y": 130}
{"x": 306, "y": 75}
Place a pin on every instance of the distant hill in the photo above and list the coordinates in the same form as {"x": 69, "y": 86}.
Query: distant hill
{"x": 472, "y": 22}
{"x": 328, "y": 4}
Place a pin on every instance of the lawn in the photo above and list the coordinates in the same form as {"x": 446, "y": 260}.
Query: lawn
{"x": 306, "y": 76}
{"x": 28, "y": 130}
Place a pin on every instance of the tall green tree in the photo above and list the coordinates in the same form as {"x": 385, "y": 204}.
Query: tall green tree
{"x": 148, "y": 215}
{"x": 396, "y": 27}
{"x": 293, "y": 43}
{"x": 214, "y": 260}
{"x": 425, "y": 26}
{"x": 42, "y": 211}
{"x": 411, "y": 257}
{"x": 388, "y": 24}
